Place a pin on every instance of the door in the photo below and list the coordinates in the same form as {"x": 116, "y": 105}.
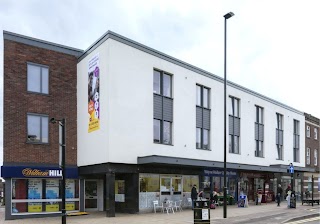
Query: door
{"x": 91, "y": 199}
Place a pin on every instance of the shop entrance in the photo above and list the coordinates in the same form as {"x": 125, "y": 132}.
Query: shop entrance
{"x": 91, "y": 195}
{"x": 170, "y": 188}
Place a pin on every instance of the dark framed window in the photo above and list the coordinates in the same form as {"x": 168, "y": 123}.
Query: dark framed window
{"x": 37, "y": 128}
{"x": 38, "y": 78}
{"x": 279, "y": 136}
{"x": 202, "y": 117}
{"x": 296, "y": 141}
{"x": 234, "y": 125}
{"x": 162, "y": 107}
{"x": 259, "y": 132}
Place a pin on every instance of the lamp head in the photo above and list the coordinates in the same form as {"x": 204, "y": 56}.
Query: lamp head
{"x": 228, "y": 15}
{"x": 53, "y": 120}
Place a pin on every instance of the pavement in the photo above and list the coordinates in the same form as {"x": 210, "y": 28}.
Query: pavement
{"x": 265, "y": 213}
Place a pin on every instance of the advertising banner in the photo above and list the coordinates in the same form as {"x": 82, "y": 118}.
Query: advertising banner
{"x": 94, "y": 94}
{"x": 52, "y": 192}
{"x": 70, "y": 189}
{"x": 34, "y": 192}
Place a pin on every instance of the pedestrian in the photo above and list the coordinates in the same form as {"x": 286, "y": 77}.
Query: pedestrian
{"x": 194, "y": 194}
{"x": 279, "y": 194}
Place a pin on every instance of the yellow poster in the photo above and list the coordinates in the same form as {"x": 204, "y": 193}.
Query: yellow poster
{"x": 70, "y": 206}
{"x": 52, "y": 207}
{"x": 94, "y": 94}
{"x": 34, "y": 207}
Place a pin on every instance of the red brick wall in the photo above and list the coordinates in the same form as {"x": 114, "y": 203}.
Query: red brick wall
{"x": 312, "y": 144}
{"x": 61, "y": 102}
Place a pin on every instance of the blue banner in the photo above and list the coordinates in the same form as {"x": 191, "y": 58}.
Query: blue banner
{"x": 37, "y": 172}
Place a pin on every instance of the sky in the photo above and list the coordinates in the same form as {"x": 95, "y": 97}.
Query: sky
{"x": 273, "y": 45}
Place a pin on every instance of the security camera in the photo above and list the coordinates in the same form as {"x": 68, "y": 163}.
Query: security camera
{"x": 53, "y": 120}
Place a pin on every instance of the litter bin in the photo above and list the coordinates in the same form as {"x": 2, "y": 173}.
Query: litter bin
{"x": 293, "y": 202}
{"x": 201, "y": 212}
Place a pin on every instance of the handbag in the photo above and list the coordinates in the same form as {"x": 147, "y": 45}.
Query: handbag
{"x": 213, "y": 205}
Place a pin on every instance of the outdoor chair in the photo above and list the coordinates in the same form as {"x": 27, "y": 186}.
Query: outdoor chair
{"x": 178, "y": 205}
{"x": 169, "y": 207}
{"x": 157, "y": 205}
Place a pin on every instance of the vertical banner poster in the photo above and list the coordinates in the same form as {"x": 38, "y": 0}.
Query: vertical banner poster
{"x": 34, "y": 192}
{"x": 94, "y": 94}
{"x": 52, "y": 192}
{"x": 70, "y": 190}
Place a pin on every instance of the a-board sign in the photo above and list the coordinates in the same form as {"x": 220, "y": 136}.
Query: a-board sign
{"x": 243, "y": 201}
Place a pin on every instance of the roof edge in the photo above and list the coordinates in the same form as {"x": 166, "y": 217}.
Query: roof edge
{"x": 41, "y": 43}
{"x": 156, "y": 53}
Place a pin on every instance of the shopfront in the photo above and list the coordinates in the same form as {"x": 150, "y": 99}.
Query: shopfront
{"x": 37, "y": 190}
{"x": 164, "y": 187}
{"x": 213, "y": 180}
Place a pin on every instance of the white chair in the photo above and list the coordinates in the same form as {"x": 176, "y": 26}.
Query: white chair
{"x": 169, "y": 207}
{"x": 178, "y": 205}
{"x": 157, "y": 205}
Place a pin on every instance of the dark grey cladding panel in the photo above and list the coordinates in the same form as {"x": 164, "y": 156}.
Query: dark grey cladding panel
{"x": 231, "y": 125}
{"x": 259, "y": 131}
{"x": 199, "y": 117}
{"x": 155, "y": 159}
{"x": 157, "y": 106}
{"x": 167, "y": 109}
{"x": 206, "y": 118}
{"x": 236, "y": 126}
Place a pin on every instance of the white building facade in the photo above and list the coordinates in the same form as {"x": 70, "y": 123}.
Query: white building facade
{"x": 150, "y": 126}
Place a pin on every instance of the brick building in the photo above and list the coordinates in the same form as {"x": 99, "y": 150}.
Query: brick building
{"x": 312, "y": 156}
{"x": 40, "y": 82}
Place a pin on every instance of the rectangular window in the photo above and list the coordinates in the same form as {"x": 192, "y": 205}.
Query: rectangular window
{"x": 162, "y": 107}
{"x": 279, "y": 136}
{"x": 259, "y": 132}
{"x": 38, "y": 78}
{"x": 315, "y": 159}
{"x": 296, "y": 141}
{"x": 308, "y": 156}
{"x": 234, "y": 125}
{"x": 308, "y": 131}
{"x": 202, "y": 117}
{"x": 315, "y": 133}
{"x": 38, "y": 128}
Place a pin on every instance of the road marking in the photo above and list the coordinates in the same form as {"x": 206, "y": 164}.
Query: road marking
{"x": 305, "y": 220}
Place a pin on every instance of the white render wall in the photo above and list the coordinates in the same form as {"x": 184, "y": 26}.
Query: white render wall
{"x": 126, "y": 99}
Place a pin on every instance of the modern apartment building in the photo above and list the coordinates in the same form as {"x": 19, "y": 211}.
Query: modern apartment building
{"x": 141, "y": 126}
{"x": 312, "y": 128}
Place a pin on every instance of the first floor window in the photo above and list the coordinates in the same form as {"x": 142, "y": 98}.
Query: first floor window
{"x": 234, "y": 144}
{"x": 202, "y": 138}
{"x": 308, "y": 156}
{"x": 316, "y": 157}
{"x": 162, "y": 131}
{"x": 259, "y": 148}
{"x": 296, "y": 155}
{"x": 38, "y": 128}
{"x": 280, "y": 153}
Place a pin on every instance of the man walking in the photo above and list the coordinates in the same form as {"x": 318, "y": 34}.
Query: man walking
{"x": 279, "y": 194}
{"x": 194, "y": 194}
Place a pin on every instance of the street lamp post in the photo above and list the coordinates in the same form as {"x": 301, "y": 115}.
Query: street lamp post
{"x": 226, "y": 16}
{"x": 62, "y": 163}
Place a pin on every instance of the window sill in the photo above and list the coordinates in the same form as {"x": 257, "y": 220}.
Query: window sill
{"x": 234, "y": 153}
{"x": 38, "y": 143}
{"x": 159, "y": 143}
{"x": 280, "y": 159}
{"x": 37, "y": 93}
{"x": 204, "y": 149}
{"x": 262, "y": 157}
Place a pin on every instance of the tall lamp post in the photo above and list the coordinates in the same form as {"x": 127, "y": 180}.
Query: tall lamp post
{"x": 62, "y": 164}
{"x": 226, "y": 16}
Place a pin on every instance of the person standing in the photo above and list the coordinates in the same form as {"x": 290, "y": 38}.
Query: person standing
{"x": 279, "y": 194}
{"x": 194, "y": 194}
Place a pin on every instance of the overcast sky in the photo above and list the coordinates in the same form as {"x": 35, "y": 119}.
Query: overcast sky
{"x": 273, "y": 45}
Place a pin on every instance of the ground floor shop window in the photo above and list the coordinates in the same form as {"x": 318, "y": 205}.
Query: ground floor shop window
{"x": 37, "y": 195}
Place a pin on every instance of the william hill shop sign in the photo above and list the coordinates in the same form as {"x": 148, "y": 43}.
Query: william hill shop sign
{"x": 37, "y": 172}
